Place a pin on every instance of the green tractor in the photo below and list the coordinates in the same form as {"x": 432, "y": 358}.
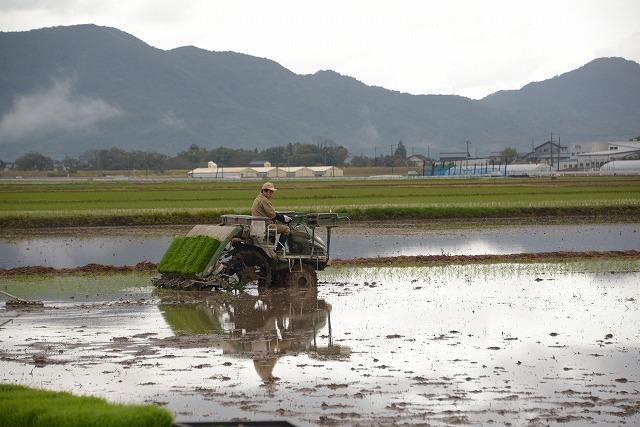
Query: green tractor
{"x": 242, "y": 250}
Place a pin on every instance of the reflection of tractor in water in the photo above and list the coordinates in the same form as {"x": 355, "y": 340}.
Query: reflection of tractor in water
{"x": 246, "y": 253}
{"x": 262, "y": 327}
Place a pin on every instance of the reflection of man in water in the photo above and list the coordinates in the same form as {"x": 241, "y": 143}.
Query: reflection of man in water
{"x": 275, "y": 323}
{"x": 262, "y": 207}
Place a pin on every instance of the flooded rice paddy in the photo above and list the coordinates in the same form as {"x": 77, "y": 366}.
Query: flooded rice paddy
{"x": 128, "y": 246}
{"x": 471, "y": 344}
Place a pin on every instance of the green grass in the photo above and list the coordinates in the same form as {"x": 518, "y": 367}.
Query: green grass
{"x": 188, "y": 256}
{"x": 45, "y": 204}
{"x": 28, "y": 407}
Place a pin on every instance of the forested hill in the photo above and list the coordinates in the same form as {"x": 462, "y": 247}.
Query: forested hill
{"x": 65, "y": 90}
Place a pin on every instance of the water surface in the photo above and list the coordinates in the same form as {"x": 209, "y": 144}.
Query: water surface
{"x": 128, "y": 246}
{"x": 518, "y": 343}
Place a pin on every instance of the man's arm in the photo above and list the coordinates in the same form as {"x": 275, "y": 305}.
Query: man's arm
{"x": 283, "y": 218}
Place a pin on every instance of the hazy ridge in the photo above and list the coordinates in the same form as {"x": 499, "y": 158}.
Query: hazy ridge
{"x": 64, "y": 90}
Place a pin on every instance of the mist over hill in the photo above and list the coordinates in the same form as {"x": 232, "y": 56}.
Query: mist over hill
{"x": 65, "y": 90}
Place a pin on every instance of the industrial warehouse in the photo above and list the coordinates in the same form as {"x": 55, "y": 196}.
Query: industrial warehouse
{"x": 266, "y": 171}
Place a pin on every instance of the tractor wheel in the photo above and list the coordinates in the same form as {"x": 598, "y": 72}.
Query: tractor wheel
{"x": 305, "y": 278}
{"x": 250, "y": 266}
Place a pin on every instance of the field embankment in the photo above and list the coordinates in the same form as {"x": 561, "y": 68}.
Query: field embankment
{"x": 58, "y": 204}
{"x": 391, "y": 261}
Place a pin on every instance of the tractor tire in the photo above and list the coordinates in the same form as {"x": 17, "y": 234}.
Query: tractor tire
{"x": 250, "y": 266}
{"x": 305, "y": 278}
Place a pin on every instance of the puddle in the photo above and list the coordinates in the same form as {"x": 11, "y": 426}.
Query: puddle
{"x": 505, "y": 343}
{"x": 129, "y": 246}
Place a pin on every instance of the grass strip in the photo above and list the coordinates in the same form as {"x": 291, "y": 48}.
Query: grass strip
{"x": 108, "y": 219}
{"x": 188, "y": 256}
{"x": 28, "y": 407}
{"x": 185, "y": 217}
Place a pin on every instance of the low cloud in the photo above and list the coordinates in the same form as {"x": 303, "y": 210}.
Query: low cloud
{"x": 367, "y": 134}
{"x": 170, "y": 120}
{"x": 55, "y": 109}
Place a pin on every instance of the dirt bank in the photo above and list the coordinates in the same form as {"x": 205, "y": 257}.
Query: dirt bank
{"x": 399, "y": 261}
{"x": 40, "y": 270}
{"x": 419, "y": 260}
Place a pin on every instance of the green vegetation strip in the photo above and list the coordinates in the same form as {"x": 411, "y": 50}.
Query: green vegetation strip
{"x": 28, "y": 407}
{"x": 133, "y": 219}
{"x": 46, "y": 204}
{"x": 188, "y": 256}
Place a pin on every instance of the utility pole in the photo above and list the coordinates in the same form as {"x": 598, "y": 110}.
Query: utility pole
{"x": 551, "y": 148}
{"x": 468, "y": 143}
{"x": 392, "y": 158}
{"x": 559, "y": 147}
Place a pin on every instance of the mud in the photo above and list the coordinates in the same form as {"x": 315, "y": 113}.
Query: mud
{"x": 503, "y": 343}
{"x": 427, "y": 260}
{"x": 40, "y": 270}
{"x": 399, "y": 261}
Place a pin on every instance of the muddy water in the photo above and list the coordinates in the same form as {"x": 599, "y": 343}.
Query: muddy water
{"x": 439, "y": 345}
{"x": 116, "y": 246}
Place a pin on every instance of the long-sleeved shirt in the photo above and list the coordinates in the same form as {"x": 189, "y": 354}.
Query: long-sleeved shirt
{"x": 262, "y": 207}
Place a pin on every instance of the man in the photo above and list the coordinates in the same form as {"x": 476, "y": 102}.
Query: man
{"x": 262, "y": 207}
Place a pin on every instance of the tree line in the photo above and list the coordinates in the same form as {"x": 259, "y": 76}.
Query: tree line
{"x": 293, "y": 154}
{"x": 324, "y": 152}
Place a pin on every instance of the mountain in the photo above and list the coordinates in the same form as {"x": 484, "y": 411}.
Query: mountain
{"x": 599, "y": 101}
{"x": 65, "y": 90}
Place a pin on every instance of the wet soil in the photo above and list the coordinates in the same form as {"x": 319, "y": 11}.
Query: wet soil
{"x": 507, "y": 343}
{"x": 40, "y": 270}
{"x": 425, "y": 260}
{"x": 399, "y": 261}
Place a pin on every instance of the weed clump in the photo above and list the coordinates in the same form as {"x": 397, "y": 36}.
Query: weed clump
{"x": 28, "y": 407}
{"x": 188, "y": 256}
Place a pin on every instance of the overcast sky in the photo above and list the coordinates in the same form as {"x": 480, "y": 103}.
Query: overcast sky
{"x": 467, "y": 47}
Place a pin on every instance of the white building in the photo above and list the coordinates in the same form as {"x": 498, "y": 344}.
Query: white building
{"x": 326, "y": 171}
{"x": 298, "y": 171}
{"x": 267, "y": 171}
{"x": 213, "y": 171}
{"x": 615, "y": 151}
{"x": 587, "y": 147}
{"x": 528, "y": 169}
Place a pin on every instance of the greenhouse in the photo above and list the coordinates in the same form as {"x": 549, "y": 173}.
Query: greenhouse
{"x": 527, "y": 169}
{"x": 621, "y": 167}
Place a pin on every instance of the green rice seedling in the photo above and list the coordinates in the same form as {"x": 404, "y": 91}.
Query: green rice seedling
{"x": 48, "y": 204}
{"x": 188, "y": 256}
{"x": 28, "y": 407}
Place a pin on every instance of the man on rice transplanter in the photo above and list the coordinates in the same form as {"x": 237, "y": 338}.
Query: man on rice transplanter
{"x": 262, "y": 207}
